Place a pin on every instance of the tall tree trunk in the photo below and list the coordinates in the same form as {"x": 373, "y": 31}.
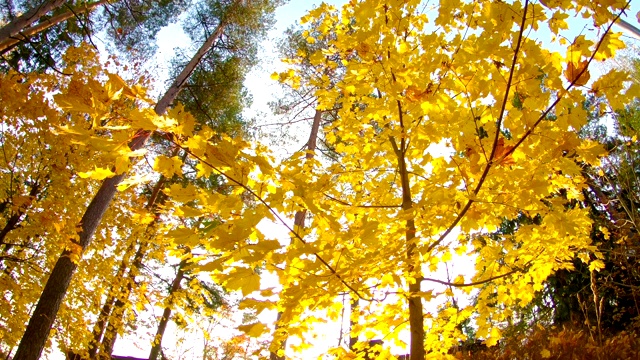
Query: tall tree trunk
{"x": 354, "y": 303}
{"x": 35, "y": 336}
{"x": 26, "y": 33}
{"x": 117, "y": 313}
{"x": 105, "y": 338}
{"x": 299, "y": 216}
{"x": 282, "y": 346}
{"x": 98, "y": 328}
{"x": 162, "y": 326}
{"x": 416, "y": 319}
{"x": 22, "y": 22}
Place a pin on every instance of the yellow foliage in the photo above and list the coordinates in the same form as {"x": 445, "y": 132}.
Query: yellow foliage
{"x": 442, "y": 132}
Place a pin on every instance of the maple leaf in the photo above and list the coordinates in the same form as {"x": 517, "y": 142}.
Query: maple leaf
{"x": 243, "y": 279}
{"x": 501, "y": 151}
{"x": 168, "y": 166}
{"x": 254, "y": 330}
{"x": 577, "y": 74}
{"x": 98, "y": 173}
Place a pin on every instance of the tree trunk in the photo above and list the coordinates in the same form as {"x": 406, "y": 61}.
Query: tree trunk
{"x": 25, "y": 34}
{"x": 416, "y": 319}
{"x": 35, "y": 336}
{"x": 162, "y": 326}
{"x": 282, "y": 346}
{"x": 106, "y": 339}
{"x": 354, "y": 303}
{"x": 22, "y": 22}
{"x": 115, "y": 319}
{"x": 105, "y": 312}
{"x": 300, "y": 215}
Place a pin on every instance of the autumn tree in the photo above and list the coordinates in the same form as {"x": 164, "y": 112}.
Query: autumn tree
{"x": 409, "y": 87}
{"x": 604, "y": 300}
{"x": 57, "y": 284}
{"x": 446, "y": 121}
{"x": 40, "y": 226}
{"x": 215, "y": 96}
{"x": 297, "y": 110}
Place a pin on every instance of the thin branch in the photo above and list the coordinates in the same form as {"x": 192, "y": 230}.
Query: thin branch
{"x": 571, "y": 85}
{"x": 475, "y": 283}
{"x": 285, "y": 123}
{"x": 495, "y": 141}
{"x": 280, "y": 219}
{"x": 362, "y": 206}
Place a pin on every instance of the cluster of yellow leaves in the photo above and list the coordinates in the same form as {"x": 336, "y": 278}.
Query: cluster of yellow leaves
{"x": 42, "y": 180}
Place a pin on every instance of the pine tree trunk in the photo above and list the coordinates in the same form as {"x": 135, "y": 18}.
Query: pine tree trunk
{"x": 162, "y": 326}
{"x": 22, "y": 22}
{"x": 35, "y": 337}
{"x": 26, "y": 33}
{"x": 115, "y": 322}
{"x": 112, "y": 301}
{"x": 37, "y": 332}
{"x": 299, "y": 216}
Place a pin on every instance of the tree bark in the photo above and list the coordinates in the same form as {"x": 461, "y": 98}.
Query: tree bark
{"x": 162, "y": 326}
{"x": 35, "y": 336}
{"x": 105, "y": 339}
{"x": 115, "y": 319}
{"x": 25, "y": 34}
{"x": 354, "y": 303}
{"x": 282, "y": 346}
{"x": 300, "y": 216}
{"x": 22, "y": 22}
{"x": 105, "y": 312}
{"x": 37, "y": 332}
{"x": 416, "y": 318}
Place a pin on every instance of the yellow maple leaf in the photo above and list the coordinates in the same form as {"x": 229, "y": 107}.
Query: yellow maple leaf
{"x": 168, "y": 166}
{"x": 257, "y": 305}
{"x": 493, "y": 337}
{"x": 182, "y": 194}
{"x": 254, "y": 330}
{"x": 134, "y": 180}
{"x": 98, "y": 173}
{"x": 184, "y": 236}
{"x": 243, "y": 279}
{"x": 75, "y": 252}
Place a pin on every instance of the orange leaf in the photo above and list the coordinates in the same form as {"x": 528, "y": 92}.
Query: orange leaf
{"x": 501, "y": 151}
{"x": 577, "y": 74}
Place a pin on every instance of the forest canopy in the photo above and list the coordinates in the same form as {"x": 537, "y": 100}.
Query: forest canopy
{"x": 469, "y": 185}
